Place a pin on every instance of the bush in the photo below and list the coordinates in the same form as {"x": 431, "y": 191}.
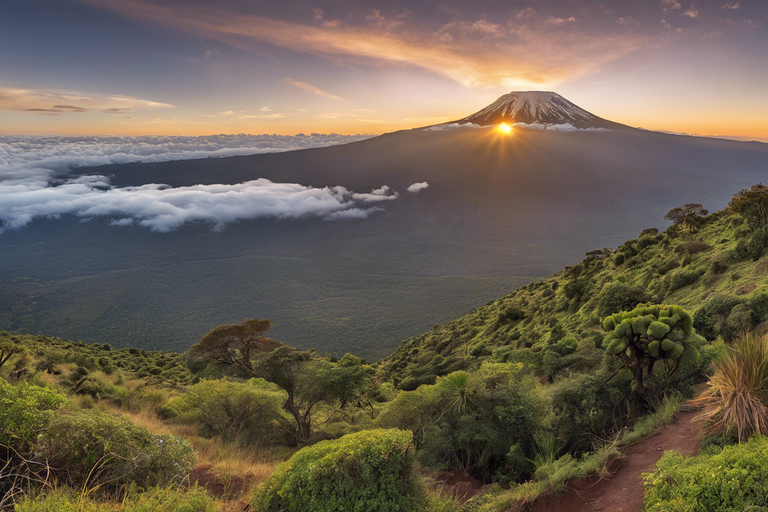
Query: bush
{"x": 249, "y": 413}
{"x": 101, "y": 449}
{"x": 680, "y": 278}
{"x": 25, "y": 412}
{"x": 616, "y": 297}
{"x": 369, "y": 471}
{"x": 728, "y": 481}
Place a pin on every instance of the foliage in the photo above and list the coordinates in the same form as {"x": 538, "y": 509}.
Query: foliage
{"x": 620, "y": 297}
{"x": 248, "y": 413}
{"x": 738, "y": 389}
{"x": 235, "y": 344}
{"x": 752, "y": 204}
{"x": 728, "y": 481}
{"x": 156, "y": 499}
{"x": 649, "y": 337}
{"x": 25, "y": 413}
{"x": 98, "y": 448}
{"x": 368, "y": 471}
{"x": 687, "y": 215}
{"x": 475, "y": 422}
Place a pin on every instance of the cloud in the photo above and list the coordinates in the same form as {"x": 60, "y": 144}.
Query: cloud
{"x": 36, "y": 180}
{"x": 310, "y": 89}
{"x": 451, "y": 126}
{"x": 55, "y": 102}
{"x": 414, "y": 188}
{"x": 527, "y": 50}
{"x": 691, "y": 12}
{"x": 670, "y": 5}
{"x": 19, "y": 154}
{"x": 162, "y": 208}
{"x": 732, "y": 5}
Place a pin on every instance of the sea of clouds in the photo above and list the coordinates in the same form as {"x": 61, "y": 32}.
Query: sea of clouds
{"x": 45, "y": 177}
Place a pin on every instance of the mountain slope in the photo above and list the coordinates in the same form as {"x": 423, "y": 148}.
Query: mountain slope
{"x": 499, "y": 211}
{"x": 538, "y": 107}
{"x": 719, "y": 274}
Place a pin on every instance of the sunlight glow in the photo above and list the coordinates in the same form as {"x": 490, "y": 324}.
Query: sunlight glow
{"x": 505, "y": 128}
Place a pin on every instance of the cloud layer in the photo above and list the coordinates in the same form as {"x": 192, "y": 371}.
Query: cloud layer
{"x": 36, "y": 181}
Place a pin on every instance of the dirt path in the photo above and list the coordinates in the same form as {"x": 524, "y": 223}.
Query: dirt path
{"x": 623, "y": 490}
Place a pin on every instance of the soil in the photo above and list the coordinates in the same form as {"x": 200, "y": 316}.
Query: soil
{"x": 622, "y": 490}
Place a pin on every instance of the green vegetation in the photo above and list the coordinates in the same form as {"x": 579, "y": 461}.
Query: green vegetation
{"x": 368, "y": 471}
{"x": 724, "y": 480}
{"x": 543, "y": 385}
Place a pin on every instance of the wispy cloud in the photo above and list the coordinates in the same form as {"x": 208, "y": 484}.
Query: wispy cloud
{"x": 691, "y": 12}
{"x": 732, "y": 5}
{"x": 670, "y": 5}
{"x": 304, "y": 86}
{"x": 55, "y": 102}
{"x": 535, "y": 50}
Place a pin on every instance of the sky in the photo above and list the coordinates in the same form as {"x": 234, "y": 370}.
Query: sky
{"x": 201, "y": 67}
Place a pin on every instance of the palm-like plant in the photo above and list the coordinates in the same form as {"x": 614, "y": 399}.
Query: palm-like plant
{"x": 738, "y": 390}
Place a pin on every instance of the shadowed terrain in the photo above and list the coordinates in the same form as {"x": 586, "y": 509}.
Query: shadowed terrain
{"x": 500, "y": 210}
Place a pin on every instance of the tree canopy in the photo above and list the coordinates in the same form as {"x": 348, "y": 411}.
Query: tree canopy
{"x": 687, "y": 215}
{"x": 236, "y": 344}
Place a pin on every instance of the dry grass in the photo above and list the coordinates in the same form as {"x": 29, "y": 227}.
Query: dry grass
{"x": 738, "y": 390}
{"x": 236, "y": 466}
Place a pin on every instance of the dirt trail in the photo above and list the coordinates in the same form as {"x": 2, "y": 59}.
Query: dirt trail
{"x": 623, "y": 491}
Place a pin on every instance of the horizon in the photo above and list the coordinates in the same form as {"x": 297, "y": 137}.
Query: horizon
{"x": 142, "y": 67}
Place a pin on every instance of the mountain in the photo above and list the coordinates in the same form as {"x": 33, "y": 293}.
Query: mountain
{"x": 499, "y": 211}
{"x": 538, "y": 108}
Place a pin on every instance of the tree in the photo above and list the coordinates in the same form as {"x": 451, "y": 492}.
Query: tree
{"x": 306, "y": 378}
{"x": 649, "y": 335}
{"x": 235, "y": 344}
{"x": 8, "y": 347}
{"x": 752, "y": 204}
{"x": 688, "y": 216}
{"x": 308, "y": 381}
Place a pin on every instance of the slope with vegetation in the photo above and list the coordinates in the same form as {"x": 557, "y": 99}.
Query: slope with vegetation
{"x": 533, "y": 389}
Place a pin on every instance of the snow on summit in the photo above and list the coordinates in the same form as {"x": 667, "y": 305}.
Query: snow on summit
{"x": 539, "y": 108}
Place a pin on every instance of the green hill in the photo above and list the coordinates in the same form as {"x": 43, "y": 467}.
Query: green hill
{"x": 715, "y": 270}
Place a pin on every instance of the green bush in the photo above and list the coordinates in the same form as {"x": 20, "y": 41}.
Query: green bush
{"x": 732, "y": 480}
{"x": 680, "y": 278}
{"x": 100, "y": 449}
{"x": 368, "y": 471}
{"x": 25, "y": 412}
{"x": 249, "y": 413}
{"x": 616, "y": 297}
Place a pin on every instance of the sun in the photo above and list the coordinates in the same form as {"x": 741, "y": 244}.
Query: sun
{"x": 505, "y": 128}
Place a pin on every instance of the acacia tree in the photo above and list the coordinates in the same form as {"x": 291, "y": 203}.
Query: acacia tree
{"x": 236, "y": 344}
{"x": 688, "y": 215}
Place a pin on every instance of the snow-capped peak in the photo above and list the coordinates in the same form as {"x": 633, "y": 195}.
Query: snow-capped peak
{"x": 537, "y": 107}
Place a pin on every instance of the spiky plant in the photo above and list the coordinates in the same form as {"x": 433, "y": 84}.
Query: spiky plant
{"x": 738, "y": 390}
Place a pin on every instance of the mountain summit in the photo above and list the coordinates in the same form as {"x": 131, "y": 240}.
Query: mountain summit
{"x": 537, "y": 107}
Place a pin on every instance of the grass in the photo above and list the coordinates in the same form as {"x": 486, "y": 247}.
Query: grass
{"x": 738, "y": 390}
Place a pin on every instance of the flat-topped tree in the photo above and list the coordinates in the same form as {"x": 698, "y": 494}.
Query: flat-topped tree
{"x": 236, "y": 344}
{"x": 650, "y": 335}
{"x": 688, "y": 216}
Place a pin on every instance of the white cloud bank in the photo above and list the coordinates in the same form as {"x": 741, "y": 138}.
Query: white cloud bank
{"x": 451, "y": 126}
{"x": 35, "y": 183}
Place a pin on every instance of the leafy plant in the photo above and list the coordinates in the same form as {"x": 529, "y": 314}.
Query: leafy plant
{"x": 25, "y": 413}
{"x": 733, "y": 479}
{"x": 369, "y": 471}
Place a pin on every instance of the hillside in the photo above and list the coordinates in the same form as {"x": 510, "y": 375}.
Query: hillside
{"x": 717, "y": 272}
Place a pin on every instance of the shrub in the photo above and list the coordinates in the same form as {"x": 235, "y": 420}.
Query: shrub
{"x": 25, "y": 412}
{"x": 733, "y": 479}
{"x": 368, "y": 471}
{"x": 680, "y": 278}
{"x": 738, "y": 389}
{"x": 247, "y": 412}
{"x": 101, "y": 449}
{"x": 619, "y": 297}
